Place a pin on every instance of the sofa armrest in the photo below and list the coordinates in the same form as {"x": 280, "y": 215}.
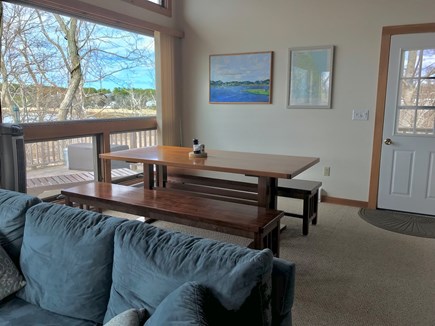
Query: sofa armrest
{"x": 283, "y": 291}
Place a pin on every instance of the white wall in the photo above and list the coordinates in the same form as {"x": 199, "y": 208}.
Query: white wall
{"x": 353, "y": 26}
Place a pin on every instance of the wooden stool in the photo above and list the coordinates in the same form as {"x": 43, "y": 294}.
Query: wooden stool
{"x": 308, "y": 191}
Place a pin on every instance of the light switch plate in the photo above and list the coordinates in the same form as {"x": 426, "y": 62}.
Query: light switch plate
{"x": 360, "y": 114}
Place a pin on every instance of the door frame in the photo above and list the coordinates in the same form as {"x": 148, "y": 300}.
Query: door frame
{"x": 387, "y": 33}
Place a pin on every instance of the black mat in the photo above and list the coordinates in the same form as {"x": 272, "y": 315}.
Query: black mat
{"x": 399, "y": 222}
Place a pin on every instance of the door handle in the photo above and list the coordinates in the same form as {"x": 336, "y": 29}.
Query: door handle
{"x": 388, "y": 141}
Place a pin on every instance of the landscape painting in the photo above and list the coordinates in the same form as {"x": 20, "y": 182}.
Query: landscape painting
{"x": 241, "y": 78}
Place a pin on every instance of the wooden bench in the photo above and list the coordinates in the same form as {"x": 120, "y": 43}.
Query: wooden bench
{"x": 308, "y": 191}
{"x": 258, "y": 223}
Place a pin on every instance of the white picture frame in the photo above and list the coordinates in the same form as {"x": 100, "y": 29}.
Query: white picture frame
{"x": 310, "y": 74}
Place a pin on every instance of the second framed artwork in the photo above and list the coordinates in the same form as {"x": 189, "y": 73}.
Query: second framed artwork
{"x": 241, "y": 78}
{"x": 310, "y": 77}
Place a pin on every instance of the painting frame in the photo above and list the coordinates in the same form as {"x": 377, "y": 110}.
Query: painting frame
{"x": 310, "y": 77}
{"x": 241, "y": 78}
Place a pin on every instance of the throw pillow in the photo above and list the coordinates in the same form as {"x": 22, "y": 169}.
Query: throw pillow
{"x": 130, "y": 317}
{"x": 184, "y": 306}
{"x": 10, "y": 279}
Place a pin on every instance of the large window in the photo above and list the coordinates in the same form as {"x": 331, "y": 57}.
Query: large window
{"x": 57, "y": 68}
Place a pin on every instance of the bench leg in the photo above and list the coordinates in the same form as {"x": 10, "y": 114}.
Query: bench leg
{"x": 315, "y": 207}
{"x": 270, "y": 240}
{"x": 306, "y": 215}
{"x": 275, "y": 238}
{"x": 68, "y": 202}
{"x": 310, "y": 211}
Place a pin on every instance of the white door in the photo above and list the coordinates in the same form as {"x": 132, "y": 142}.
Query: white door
{"x": 407, "y": 171}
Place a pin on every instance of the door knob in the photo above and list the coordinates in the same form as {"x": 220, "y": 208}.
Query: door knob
{"x": 388, "y": 141}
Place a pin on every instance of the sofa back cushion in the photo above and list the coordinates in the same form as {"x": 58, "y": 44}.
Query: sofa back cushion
{"x": 13, "y": 208}
{"x": 150, "y": 263}
{"x": 66, "y": 259}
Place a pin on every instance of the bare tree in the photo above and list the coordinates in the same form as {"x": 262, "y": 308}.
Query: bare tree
{"x": 47, "y": 60}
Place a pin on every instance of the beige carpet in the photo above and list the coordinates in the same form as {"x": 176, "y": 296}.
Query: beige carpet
{"x": 350, "y": 272}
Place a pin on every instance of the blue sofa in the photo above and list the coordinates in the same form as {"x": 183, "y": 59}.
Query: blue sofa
{"x": 77, "y": 267}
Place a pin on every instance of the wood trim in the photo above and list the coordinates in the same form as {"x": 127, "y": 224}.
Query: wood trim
{"x": 387, "y": 33}
{"x": 36, "y": 132}
{"x": 409, "y": 29}
{"x": 94, "y": 13}
{"x": 344, "y": 201}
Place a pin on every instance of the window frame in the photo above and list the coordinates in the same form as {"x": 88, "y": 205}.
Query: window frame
{"x": 93, "y": 13}
{"x": 165, "y": 8}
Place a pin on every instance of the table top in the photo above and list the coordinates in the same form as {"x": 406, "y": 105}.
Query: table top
{"x": 252, "y": 164}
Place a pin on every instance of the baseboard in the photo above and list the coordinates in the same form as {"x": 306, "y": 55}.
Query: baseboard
{"x": 344, "y": 201}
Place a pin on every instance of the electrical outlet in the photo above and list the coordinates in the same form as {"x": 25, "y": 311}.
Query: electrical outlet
{"x": 360, "y": 114}
{"x": 326, "y": 171}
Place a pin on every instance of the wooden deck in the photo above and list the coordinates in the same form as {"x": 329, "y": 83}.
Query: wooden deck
{"x": 41, "y": 184}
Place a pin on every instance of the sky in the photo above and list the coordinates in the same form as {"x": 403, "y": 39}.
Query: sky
{"x": 240, "y": 67}
{"x": 139, "y": 77}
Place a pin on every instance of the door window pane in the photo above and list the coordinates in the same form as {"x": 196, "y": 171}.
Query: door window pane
{"x": 428, "y": 66}
{"x": 416, "y": 102}
{"x": 426, "y": 96}
{"x": 408, "y": 92}
{"x": 425, "y": 120}
{"x": 406, "y": 120}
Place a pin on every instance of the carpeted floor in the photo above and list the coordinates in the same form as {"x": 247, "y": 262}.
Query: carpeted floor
{"x": 351, "y": 273}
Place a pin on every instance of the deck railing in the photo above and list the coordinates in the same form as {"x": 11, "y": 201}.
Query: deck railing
{"x": 54, "y": 152}
{"x": 46, "y": 142}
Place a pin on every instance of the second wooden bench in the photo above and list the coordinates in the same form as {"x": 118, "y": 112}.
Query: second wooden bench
{"x": 308, "y": 191}
{"x": 258, "y": 223}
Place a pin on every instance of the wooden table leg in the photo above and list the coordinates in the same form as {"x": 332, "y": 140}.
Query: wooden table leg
{"x": 148, "y": 176}
{"x": 267, "y": 190}
{"x": 162, "y": 175}
{"x": 107, "y": 171}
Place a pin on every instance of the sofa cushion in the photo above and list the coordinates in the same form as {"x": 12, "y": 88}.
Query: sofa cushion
{"x": 17, "y": 312}
{"x": 66, "y": 259}
{"x": 130, "y": 317}
{"x": 10, "y": 278}
{"x": 164, "y": 260}
{"x": 13, "y": 208}
{"x": 184, "y": 306}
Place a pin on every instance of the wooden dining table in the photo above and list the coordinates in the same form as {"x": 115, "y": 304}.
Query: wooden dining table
{"x": 266, "y": 169}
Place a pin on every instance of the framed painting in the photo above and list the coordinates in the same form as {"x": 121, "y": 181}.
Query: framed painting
{"x": 310, "y": 77}
{"x": 243, "y": 78}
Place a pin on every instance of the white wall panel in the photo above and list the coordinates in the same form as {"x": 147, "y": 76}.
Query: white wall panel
{"x": 354, "y": 27}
